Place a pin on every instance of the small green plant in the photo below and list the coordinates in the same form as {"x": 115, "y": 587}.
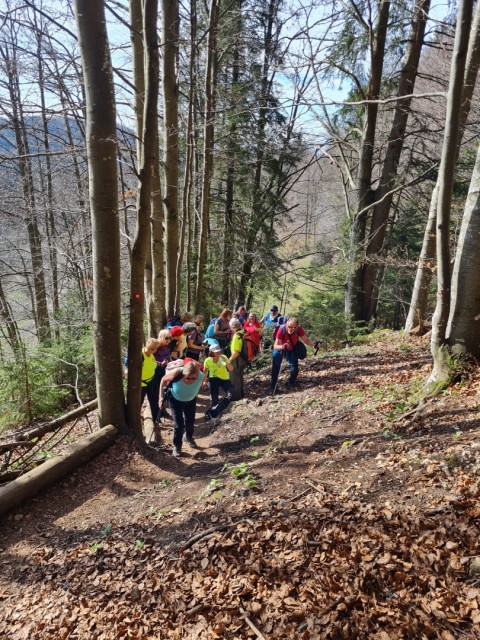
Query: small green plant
{"x": 249, "y": 482}
{"x": 212, "y": 488}
{"x": 159, "y": 513}
{"x": 165, "y": 482}
{"x": 255, "y": 455}
{"x": 255, "y": 440}
{"x": 96, "y": 546}
{"x": 107, "y": 529}
{"x": 240, "y": 470}
{"x": 139, "y": 544}
{"x": 457, "y": 434}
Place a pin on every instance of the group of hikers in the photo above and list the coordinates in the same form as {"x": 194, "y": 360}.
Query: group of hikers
{"x": 186, "y": 358}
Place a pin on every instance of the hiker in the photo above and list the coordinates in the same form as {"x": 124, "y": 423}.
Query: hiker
{"x": 222, "y": 331}
{"x": 286, "y": 337}
{"x": 253, "y": 327}
{"x": 178, "y": 342}
{"x": 187, "y": 328}
{"x": 149, "y": 367}
{"x": 238, "y": 362}
{"x": 183, "y": 383}
{"x": 163, "y": 357}
{"x": 217, "y": 368}
{"x": 195, "y": 339}
{"x": 273, "y": 319}
{"x": 242, "y": 315}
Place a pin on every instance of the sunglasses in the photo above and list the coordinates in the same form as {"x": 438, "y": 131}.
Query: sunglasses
{"x": 191, "y": 379}
{"x": 168, "y": 338}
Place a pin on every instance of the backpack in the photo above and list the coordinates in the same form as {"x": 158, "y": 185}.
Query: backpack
{"x": 249, "y": 347}
{"x": 175, "y": 364}
{"x": 299, "y": 349}
{"x": 210, "y": 332}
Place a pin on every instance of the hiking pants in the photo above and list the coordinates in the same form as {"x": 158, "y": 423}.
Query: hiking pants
{"x": 152, "y": 391}
{"x": 236, "y": 378}
{"x": 183, "y": 414}
{"x": 215, "y": 385}
{"x": 292, "y": 359}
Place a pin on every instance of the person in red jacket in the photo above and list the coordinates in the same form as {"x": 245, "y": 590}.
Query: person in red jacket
{"x": 254, "y": 329}
{"x": 286, "y": 337}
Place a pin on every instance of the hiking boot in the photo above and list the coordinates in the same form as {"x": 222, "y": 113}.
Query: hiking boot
{"x": 207, "y": 416}
{"x": 191, "y": 443}
{"x": 176, "y": 452}
{"x": 290, "y": 385}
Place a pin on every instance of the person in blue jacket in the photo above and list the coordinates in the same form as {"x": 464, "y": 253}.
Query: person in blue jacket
{"x": 184, "y": 383}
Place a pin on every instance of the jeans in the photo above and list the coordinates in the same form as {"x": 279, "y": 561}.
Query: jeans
{"x": 291, "y": 358}
{"x": 215, "y": 385}
{"x": 183, "y": 414}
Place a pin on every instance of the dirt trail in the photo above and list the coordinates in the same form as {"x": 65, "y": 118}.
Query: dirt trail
{"x": 313, "y": 514}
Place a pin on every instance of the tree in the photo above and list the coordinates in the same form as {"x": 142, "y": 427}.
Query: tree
{"x": 170, "y": 26}
{"x": 440, "y": 372}
{"x": 148, "y": 167}
{"x": 418, "y": 303}
{"x": 101, "y": 139}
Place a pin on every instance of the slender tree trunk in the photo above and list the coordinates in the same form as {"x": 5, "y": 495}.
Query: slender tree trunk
{"x": 384, "y": 193}
{"x": 40, "y": 311}
{"x": 101, "y": 139}
{"x": 365, "y": 195}
{"x": 209, "y": 132}
{"x": 148, "y": 165}
{"x": 440, "y": 371}
{"x": 170, "y": 19}
{"x": 419, "y": 302}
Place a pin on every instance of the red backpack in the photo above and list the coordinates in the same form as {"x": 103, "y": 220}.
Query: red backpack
{"x": 249, "y": 348}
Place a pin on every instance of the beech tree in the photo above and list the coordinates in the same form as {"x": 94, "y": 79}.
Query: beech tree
{"x": 440, "y": 372}
{"x": 101, "y": 139}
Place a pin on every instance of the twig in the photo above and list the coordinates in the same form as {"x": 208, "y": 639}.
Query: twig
{"x": 299, "y": 495}
{"x": 314, "y": 486}
{"x": 256, "y": 631}
{"x": 203, "y": 534}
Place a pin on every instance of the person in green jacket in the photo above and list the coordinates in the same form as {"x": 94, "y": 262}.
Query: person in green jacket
{"x": 238, "y": 362}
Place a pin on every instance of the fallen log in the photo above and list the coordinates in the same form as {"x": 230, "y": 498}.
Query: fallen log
{"x": 16, "y": 491}
{"x": 42, "y": 429}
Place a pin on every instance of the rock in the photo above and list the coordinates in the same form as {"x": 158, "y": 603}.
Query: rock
{"x": 474, "y": 567}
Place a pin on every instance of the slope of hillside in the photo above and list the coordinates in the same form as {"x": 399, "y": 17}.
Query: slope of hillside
{"x": 321, "y": 513}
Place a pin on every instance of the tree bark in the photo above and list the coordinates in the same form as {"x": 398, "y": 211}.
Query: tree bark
{"x": 440, "y": 372}
{"x": 101, "y": 140}
{"x": 209, "y": 133}
{"x": 365, "y": 196}
{"x": 170, "y": 19}
{"x": 148, "y": 165}
{"x": 419, "y": 302}
{"x": 384, "y": 192}
{"x": 463, "y": 330}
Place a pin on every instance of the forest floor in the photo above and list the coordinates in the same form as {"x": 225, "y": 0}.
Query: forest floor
{"x": 324, "y": 512}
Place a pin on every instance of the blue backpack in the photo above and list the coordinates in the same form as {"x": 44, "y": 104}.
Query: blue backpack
{"x": 210, "y": 332}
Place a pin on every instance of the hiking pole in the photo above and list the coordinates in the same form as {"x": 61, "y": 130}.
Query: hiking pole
{"x": 316, "y": 345}
{"x": 282, "y": 366}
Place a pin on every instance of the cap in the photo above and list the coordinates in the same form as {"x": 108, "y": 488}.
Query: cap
{"x": 176, "y": 332}
{"x": 274, "y": 308}
{"x": 215, "y": 348}
{"x": 235, "y": 322}
{"x": 188, "y": 326}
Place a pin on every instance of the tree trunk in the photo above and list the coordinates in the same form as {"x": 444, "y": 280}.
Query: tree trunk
{"x": 40, "y": 310}
{"x": 365, "y": 196}
{"x": 384, "y": 192}
{"x": 463, "y": 331}
{"x": 419, "y": 302}
{"x": 170, "y": 19}
{"x": 101, "y": 140}
{"x": 440, "y": 373}
{"x": 148, "y": 165}
{"x": 209, "y": 131}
